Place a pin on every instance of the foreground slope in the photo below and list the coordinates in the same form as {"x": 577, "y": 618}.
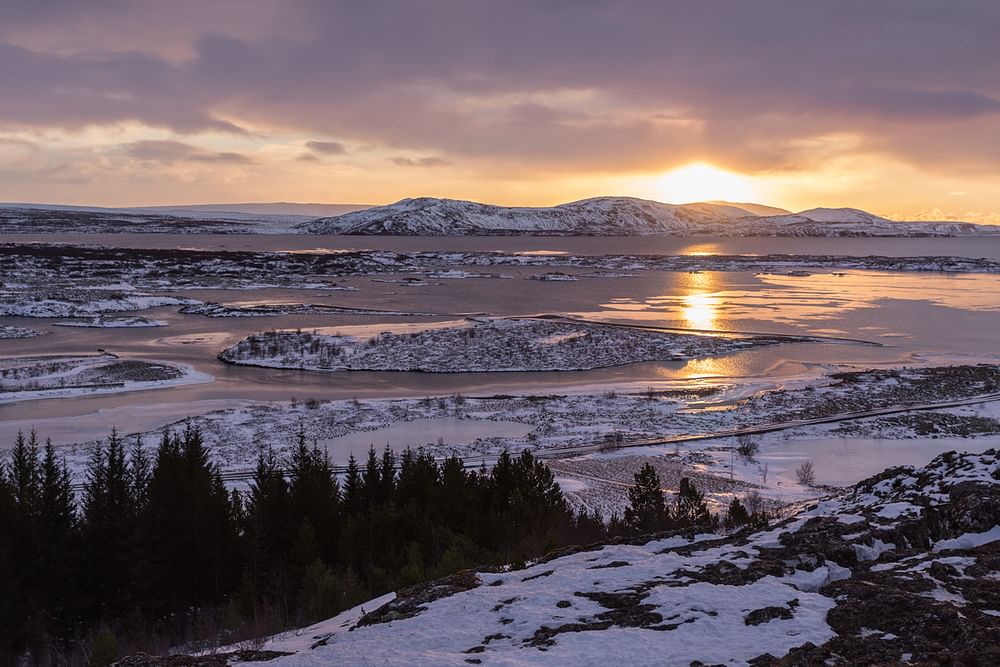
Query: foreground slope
{"x": 621, "y": 216}
{"x": 903, "y": 568}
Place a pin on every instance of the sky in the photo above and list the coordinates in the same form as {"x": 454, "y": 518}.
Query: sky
{"x": 891, "y": 105}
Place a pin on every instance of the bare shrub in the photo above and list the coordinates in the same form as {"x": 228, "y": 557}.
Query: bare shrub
{"x": 806, "y": 473}
{"x": 747, "y": 447}
{"x": 612, "y": 441}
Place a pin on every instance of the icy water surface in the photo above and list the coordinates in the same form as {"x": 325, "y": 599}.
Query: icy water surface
{"x": 912, "y": 316}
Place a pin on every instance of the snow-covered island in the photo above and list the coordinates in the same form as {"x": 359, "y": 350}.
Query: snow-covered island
{"x": 103, "y": 322}
{"x": 10, "y": 333}
{"x": 487, "y": 345}
{"x": 280, "y": 309}
{"x": 61, "y": 376}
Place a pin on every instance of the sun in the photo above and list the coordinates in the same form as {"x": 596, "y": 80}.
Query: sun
{"x": 701, "y": 181}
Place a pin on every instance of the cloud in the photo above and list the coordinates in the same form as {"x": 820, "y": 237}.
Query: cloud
{"x": 419, "y": 162}
{"x": 523, "y": 87}
{"x": 171, "y": 152}
{"x": 327, "y": 147}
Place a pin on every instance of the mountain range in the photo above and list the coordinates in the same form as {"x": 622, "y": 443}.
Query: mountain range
{"x": 622, "y": 216}
{"x": 430, "y": 216}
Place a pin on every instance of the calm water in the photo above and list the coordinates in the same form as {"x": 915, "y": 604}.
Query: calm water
{"x": 913, "y": 316}
{"x": 959, "y": 247}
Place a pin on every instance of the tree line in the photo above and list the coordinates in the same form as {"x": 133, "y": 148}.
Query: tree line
{"x": 156, "y": 552}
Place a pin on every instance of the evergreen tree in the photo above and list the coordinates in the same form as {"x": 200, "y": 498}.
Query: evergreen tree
{"x": 371, "y": 480}
{"x": 737, "y": 515}
{"x": 691, "y": 509}
{"x": 353, "y": 492}
{"x": 647, "y": 511}
{"x": 108, "y": 531}
{"x": 57, "y": 527}
{"x": 315, "y": 494}
{"x": 190, "y": 530}
{"x": 269, "y": 532}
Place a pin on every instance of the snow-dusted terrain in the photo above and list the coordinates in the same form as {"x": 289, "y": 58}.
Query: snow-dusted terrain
{"x": 10, "y": 333}
{"x": 46, "y": 302}
{"x": 53, "y": 219}
{"x": 63, "y": 376}
{"x": 620, "y": 216}
{"x": 430, "y": 216}
{"x": 104, "y": 322}
{"x": 486, "y": 345}
{"x": 900, "y": 569}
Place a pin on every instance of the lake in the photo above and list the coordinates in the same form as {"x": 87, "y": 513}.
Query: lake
{"x": 915, "y": 317}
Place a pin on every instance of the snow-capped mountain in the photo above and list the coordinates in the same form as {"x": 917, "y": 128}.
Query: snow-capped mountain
{"x": 621, "y": 216}
{"x": 601, "y": 216}
{"x": 429, "y": 216}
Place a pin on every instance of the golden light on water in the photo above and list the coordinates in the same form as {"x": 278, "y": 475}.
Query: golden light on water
{"x": 699, "y": 311}
{"x": 700, "y": 302}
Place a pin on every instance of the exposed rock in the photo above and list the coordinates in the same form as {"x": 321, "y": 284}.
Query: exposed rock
{"x": 411, "y": 601}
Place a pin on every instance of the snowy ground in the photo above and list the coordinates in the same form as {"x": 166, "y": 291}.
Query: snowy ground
{"x": 582, "y": 433}
{"x": 105, "y": 322}
{"x": 71, "y": 302}
{"x": 280, "y": 309}
{"x": 900, "y": 569}
{"x": 486, "y": 345}
{"x": 10, "y": 333}
{"x": 55, "y": 376}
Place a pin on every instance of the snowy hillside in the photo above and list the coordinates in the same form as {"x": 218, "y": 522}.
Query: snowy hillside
{"x": 50, "y": 219}
{"x": 901, "y": 569}
{"x": 621, "y": 216}
{"x": 428, "y": 216}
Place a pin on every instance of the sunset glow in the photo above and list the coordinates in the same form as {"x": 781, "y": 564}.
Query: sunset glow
{"x": 704, "y": 182}
{"x": 332, "y": 102}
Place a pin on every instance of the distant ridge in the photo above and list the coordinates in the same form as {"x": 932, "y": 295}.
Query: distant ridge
{"x": 749, "y": 207}
{"x": 622, "y": 216}
{"x": 431, "y": 216}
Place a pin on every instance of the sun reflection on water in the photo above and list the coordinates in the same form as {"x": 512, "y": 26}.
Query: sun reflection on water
{"x": 700, "y": 303}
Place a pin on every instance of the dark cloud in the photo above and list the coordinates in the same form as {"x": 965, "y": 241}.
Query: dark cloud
{"x": 327, "y": 147}
{"x": 419, "y": 162}
{"x": 171, "y": 152}
{"x": 561, "y": 85}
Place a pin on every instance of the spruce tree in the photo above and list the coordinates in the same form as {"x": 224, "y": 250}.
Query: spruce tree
{"x": 737, "y": 515}
{"x": 691, "y": 509}
{"x": 353, "y": 498}
{"x": 647, "y": 511}
{"x": 57, "y": 526}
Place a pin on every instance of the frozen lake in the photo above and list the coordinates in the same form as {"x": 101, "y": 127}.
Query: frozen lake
{"x": 845, "y": 461}
{"x": 915, "y": 317}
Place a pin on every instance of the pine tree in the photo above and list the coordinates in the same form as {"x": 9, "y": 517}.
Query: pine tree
{"x": 691, "y": 509}
{"x": 737, "y": 515}
{"x": 57, "y": 526}
{"x": 647, "y": 510}
{"x": 372, "y": 479}
{"x": 108, "y": 531}
{"x": 189, "y": 527}
{"x": 315, "y": 494}
{"x": 353, "y": 487}
{"x": 269, "y": 532}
